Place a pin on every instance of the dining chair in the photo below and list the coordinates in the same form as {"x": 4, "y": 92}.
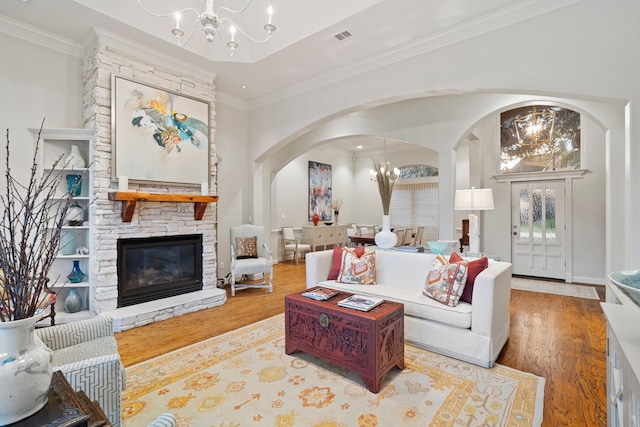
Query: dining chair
{"x": 419, "y": 237}
{"x": 364, "y": 231}
{"x": 291, "y": 244}
{"x": 351, "y": 232}
{"x": 400, "y": 233}
{"x": 408, "y": 236}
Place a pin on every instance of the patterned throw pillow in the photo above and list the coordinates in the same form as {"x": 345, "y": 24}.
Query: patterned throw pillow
{"x": 246, "y": 247}
{"x": 360, "y": 270}
{"x": 337, "y": 260}
{"x": 445, "y": 282}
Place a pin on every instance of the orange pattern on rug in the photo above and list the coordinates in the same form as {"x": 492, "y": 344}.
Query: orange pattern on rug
{"x": 244, "y": 378}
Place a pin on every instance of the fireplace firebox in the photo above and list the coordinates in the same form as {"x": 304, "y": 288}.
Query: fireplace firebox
{"x": 152, "y": 268}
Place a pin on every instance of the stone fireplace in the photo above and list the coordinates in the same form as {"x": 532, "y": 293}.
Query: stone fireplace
{"x": 104, "y": 58}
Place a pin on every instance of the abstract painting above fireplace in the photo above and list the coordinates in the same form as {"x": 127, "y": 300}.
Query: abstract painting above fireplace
{"x": 152, "y": 268}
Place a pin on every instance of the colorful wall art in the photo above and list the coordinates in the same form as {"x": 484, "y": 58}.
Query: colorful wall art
{"x": 320, "y": 190}
{"x": 159, "y": 136}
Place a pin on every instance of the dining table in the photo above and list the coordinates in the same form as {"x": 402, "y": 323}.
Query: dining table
{"x": 364, "y": 240}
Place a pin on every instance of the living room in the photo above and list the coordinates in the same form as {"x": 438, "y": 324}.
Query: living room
{"x": 453, "y": 87}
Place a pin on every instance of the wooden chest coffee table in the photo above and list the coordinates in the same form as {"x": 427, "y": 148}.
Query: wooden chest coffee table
{"x": 368, "y": 343}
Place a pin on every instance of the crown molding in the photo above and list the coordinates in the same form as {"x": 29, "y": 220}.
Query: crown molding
{"x": 231, "y": 101}
{"x": 37, "y": 36}
{"x": 457, "y": 33}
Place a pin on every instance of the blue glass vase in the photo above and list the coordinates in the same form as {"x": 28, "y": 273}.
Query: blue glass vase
{"x": 73, "y": 302}
{"x": 74, "y": 184}
{"x": 76, "y": 275}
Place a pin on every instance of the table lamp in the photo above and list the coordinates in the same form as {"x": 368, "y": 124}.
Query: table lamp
{"x": 474, "y": 199}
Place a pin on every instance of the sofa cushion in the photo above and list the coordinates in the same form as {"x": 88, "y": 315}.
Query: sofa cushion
{"x": 337, "y": 260}
{"x": 446, "y": 281}
{"x": 246, "y": 247}
{"x": 476, "y": 267}
{"x": 87, "y": 350}
{"x": 415, "y": 303}
{"x": 357, "y": 269}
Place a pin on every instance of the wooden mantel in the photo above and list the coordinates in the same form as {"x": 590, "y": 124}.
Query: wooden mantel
{"x": 130, "y": 198}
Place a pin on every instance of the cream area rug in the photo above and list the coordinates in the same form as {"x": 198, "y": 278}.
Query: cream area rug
{"x": 557, "y": 288}
{"x": 244, "y": 378}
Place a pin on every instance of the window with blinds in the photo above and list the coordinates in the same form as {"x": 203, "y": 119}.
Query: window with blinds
{"x": 416, "y": 205}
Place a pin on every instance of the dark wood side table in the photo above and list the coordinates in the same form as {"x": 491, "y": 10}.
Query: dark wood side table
{"x": 368, "y": 343}
{"x": 66, "y": 408}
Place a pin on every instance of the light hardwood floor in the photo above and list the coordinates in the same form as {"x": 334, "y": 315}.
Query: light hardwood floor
{"x": 562, "y": 339}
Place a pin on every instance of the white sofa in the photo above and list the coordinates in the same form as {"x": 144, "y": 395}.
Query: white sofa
{"x": 473, "y": 333}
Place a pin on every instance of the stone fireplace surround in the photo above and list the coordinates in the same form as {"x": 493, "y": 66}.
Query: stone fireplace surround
{"x": 103, "y": 58}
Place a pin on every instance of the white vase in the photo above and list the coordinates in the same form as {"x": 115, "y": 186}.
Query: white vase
{"x": 75, "y": 215}
{"x": 25, "y": 370}
{"x": 74, "y": 159}
{"x": 385, "y": 238}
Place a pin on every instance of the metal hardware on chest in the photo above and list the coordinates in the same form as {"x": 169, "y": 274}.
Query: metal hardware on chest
{"x": 323, "y": 319}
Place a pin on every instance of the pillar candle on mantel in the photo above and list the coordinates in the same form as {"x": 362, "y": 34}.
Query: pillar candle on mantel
{"x": 204, "y": 188}
{"x": 123, "y": 183}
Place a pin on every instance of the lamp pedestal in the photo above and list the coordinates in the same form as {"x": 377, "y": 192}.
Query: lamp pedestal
{"x": 474, "y": 234}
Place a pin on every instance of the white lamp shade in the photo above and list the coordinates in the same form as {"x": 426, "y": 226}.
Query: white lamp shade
{"x": 474, "y": 199}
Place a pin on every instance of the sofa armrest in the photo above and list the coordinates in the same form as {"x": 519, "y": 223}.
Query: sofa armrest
{"x": 61, "y": 336}
{"x": 491, "y": 298}
{"x": 318, "y": 266}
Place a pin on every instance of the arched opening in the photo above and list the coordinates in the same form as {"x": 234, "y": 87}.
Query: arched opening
{"x": 422, "y": 123}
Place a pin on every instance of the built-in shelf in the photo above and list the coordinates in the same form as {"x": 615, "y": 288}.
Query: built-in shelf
{"x": 68, "y": 284}
{"x": 130, "y": 198}
{"x": 73, "y": 256}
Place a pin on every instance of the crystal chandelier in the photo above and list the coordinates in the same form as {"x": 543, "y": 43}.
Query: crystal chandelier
{"x": 212, "y": 23}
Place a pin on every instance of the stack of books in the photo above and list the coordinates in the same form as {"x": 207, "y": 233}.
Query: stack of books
{"x": 320, "y": 294}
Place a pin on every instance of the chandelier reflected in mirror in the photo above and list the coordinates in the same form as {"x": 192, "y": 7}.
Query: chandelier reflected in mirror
{"x": 537, "y": 138}
{"x": 212, "y": 23}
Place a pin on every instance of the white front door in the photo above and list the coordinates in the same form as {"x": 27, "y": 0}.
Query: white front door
{"x": 538, "y": 229}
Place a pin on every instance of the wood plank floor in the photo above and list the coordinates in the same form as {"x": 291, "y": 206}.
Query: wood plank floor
{"x": 562, "y": 339}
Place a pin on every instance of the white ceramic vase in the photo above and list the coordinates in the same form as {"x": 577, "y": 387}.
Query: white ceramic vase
{"x": 25, "y": 370}
{"x": 385, "y": 238}
{"x": 74, "y": 159}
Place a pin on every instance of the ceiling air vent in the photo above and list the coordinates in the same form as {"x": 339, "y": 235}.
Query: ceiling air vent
{"x": 340, "y": 37}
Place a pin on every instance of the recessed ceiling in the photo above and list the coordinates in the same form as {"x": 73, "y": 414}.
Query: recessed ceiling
{"x": 299, "y": 51}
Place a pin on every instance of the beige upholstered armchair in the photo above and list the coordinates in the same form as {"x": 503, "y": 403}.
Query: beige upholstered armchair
{"x": 250, "y": 255}
{"x": 291, "y": 244}
{"x": 87, "y": 354}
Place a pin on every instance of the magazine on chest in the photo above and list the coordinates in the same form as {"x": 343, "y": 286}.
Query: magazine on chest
{"x": 360, "y": 302}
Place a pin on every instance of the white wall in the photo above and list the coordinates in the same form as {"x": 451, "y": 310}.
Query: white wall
{"x": 290, "y": 194}
{"x": 234, "y": 177}
{"x": 36, "y": 83}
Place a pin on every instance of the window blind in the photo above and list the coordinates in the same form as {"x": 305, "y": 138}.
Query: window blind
{"x": 416, "y": 205}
